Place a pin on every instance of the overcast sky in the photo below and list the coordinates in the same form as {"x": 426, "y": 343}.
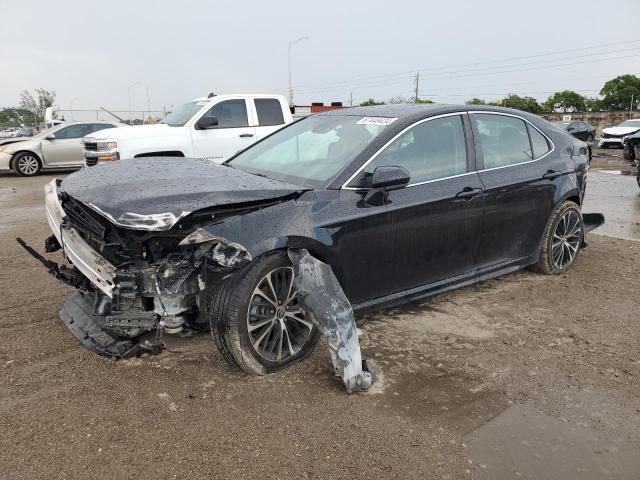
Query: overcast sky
{"x": 89, "y": 52}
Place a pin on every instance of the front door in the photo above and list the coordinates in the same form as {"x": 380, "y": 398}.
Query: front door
{"x": 438, "y": 217}
{"x": 65, "y": 149}
{"x": 233, "y": 132}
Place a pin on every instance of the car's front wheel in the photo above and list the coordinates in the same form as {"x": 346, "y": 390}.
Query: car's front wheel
{"x": 256, "y": 319}
{"x": 562, "y": 239}
{"x": 27, "y": 164}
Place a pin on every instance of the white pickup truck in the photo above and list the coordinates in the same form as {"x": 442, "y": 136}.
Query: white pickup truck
{"x": 212, "y": 128}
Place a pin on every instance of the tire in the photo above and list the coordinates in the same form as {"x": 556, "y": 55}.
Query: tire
{"x": 627, "y": 153}
{"x": 558, "y": 256}
{"x": 27, "y": 164}
{"x": 235, "y": 305}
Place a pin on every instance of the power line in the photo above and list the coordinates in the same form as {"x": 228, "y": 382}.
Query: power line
{"x": 558, "y": 52}
{"x": 463, "y": 75}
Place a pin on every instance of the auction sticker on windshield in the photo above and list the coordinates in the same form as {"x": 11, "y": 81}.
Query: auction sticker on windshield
{"x": 384, "y": 121}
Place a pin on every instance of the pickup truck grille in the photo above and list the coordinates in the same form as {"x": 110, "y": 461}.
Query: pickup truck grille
{"x": 92, "y": 147}
{"x": 610, "y": 135}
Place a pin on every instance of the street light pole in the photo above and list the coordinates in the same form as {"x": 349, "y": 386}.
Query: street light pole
{"x": 292, "y": 44}
{"x": 71, "y": 107}
{"x": 129, "y": 91}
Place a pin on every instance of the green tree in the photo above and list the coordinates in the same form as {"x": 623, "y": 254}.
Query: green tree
{"x": 618, "y": 93}
{"x": 475, "y": 101}
{"x": 565, "y": 101}
{"x": 14, "y": 117}
{"x": 527, "y": 104}
{"x": 370, "y": 103}
{"x": 593, "y": 104}
{"x": 43, "y": 100}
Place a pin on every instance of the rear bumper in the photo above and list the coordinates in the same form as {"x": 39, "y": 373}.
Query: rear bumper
{"x": 96, "y": 268}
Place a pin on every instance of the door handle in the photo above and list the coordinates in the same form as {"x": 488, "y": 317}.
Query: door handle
{"x": 551, "y": 174}
{"x": 246, "y": 135}
{"x": 467, "y": 193}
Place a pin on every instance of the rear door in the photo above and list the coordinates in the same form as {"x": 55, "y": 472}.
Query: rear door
{"x": 269, "y": 115}
{"x": 233, "y": 132}
{"x": 438, "y": 217}
{"x": 66, "y": 148}
{"x": 520, "y": 175}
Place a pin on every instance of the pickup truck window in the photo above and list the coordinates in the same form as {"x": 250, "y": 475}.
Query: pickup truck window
{"x": 183, "y": 114}
{"x": 269, "y": 111}
{"x": 230, "y": 114}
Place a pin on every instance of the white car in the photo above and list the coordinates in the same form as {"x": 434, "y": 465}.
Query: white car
{"x": 57, "y": 148}
{"x": 612, "y": 136}
{"x": 213, "y": 128}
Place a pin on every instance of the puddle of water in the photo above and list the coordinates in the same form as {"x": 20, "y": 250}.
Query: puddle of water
{"x": 457, "y": 400}
{"x": 525, "y": 443}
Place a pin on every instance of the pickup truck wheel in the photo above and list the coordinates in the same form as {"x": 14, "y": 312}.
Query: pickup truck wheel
{"x": 256, "y": 319}
{"x": 562, "y": 239}
{"x": 27, "y": 164}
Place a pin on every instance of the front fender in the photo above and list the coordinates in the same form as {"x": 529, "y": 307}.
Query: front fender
{"x": 286, "y": 225}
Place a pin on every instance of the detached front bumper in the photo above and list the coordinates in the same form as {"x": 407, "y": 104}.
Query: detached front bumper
{"x": 610, "y": 142}
{"x": 90, "y": 263}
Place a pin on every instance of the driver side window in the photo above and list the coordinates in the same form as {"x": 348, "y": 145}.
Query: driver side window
{"x": 431, "y": 150}
{"x": 230, "y": 114}
{"x": 73, "y": 131}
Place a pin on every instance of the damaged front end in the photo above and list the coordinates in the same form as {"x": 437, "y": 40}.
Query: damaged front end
{"x": 131, "y": 281}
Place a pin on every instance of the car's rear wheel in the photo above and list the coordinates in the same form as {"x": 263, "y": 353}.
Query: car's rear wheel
{"x": 562, "y": 239}
{"x": 256, "y": 319}
{"x": 27, "y": 164}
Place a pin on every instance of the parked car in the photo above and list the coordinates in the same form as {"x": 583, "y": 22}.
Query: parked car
{"x": 612, "y": 136}
{"x": 402, "y": 201}
{"x": 57, "y": 148}
{"x": 213, "y": 128}
{"x": 582, "y": 130}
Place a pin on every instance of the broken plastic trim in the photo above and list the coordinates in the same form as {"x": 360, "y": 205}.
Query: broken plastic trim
{"x": 323, "y": 299}
{"x": 225, "y": 253}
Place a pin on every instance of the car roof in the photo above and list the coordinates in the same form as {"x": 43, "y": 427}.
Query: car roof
{"x": 413, "y": 112}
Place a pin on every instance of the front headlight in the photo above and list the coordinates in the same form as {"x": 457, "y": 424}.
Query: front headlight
{"x": 107, "y": 145}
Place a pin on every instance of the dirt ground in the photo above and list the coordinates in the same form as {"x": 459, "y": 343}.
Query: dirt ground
{"x": 525, "y": 376}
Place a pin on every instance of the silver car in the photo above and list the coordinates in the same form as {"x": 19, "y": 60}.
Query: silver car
{"x": 59, "y": 147}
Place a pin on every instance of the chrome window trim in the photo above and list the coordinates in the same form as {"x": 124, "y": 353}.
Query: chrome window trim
{"x": 364, "y": 165}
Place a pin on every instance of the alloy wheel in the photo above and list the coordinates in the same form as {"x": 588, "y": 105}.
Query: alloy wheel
{"x": 566, "y": 239}
{"x": 28, "y": 165}
{"x": 276, "y": 323}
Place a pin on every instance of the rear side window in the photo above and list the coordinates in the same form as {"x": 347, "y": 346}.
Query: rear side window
{"x": 538, "y": 142}
{"x": 230, "y": 114}
{"x": 96, "y": 127}
{"x": 269, "y": 111}
{"x": 504, "y": 140}
{"x": 429, "y": 151}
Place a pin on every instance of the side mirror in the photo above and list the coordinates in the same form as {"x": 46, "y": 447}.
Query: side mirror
{"x": 390, "y": 177}
{"x": 51, "y": 136}
{"x": 206, "y": 122}
{"x": 384, "y": 179}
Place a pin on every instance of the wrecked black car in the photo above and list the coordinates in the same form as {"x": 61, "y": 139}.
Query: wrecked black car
{"x": 400, "y": 201}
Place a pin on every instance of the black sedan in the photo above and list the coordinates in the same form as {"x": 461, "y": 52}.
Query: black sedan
{"x": 582, "y": 130}
{"x": 402, "y": 201}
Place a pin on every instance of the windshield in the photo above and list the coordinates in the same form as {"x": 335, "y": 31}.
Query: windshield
{"x": 630, "y": 123}
{"x": 312, "y": 150}
{"x": 183, "y": 113}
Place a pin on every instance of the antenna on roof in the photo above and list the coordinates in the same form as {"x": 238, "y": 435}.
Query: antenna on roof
{"x": 211, "y": 95}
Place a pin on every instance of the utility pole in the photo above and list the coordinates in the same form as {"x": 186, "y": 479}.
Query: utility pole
{"x": 292, "y": 44}
{"x": 417, "y": 87}
{"x": 351, "y": 99}
{"x": 148, "y": 108}
{"x": 631, "y": 106}
{"x": 129, "y": 91}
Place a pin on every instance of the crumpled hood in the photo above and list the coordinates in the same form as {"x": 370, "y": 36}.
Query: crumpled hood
{"x": 155, "y": 193}
{"x": 620, "y": 130}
